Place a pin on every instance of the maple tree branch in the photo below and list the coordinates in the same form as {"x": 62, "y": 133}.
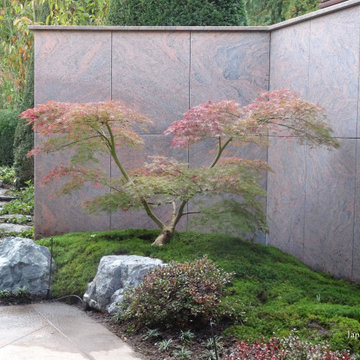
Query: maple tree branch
{"x": 144, "y": 203}
{"x": 220, "y": 150}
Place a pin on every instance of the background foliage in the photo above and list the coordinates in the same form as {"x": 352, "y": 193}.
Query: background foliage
{"x": 177, "y": 12}
{"x": 16, "y": 62}
{"x": 266, "y": 12}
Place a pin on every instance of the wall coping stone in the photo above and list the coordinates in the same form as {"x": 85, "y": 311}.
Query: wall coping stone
{"x": 147, "y": 28}
{"x": 306, "y": 17}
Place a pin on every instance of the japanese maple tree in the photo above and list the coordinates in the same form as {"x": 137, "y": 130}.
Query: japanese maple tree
{"x": 104, "y": 127}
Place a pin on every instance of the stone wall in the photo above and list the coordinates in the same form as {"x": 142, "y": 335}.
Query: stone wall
{"x": 312, "y": 196}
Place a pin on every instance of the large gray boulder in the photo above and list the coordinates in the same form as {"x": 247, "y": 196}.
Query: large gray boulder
{"x": 24, "y": 265}
{"x": 115, "y": 274}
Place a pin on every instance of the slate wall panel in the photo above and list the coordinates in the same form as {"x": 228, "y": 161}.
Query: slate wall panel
{"x": 334, "y": 68}
{"x": 319, "y": 59}
{"x": 329, "y": 209}
{"x": 72, "y": 66}
{"x": 69, "y": 67}
{"x": 150, "y": 72}
{"x": 286, "y": 195}
{"x": 290, "y": 51}
{"x": 228, "y": 65}
{"x": 356, "y": 247}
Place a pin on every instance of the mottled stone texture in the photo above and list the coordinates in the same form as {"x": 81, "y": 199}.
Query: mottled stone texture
{"x": 313, "y": 195}
{"x": 228, "y": 66}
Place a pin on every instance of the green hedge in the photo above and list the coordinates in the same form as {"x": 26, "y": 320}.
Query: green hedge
{"x": 8, "y": 123}
{"x": 177, "y": 12}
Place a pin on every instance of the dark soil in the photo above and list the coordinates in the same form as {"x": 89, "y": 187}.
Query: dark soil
{"x": 149, "y": 348}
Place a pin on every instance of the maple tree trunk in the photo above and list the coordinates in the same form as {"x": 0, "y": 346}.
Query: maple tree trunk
{"x": 164, "y": 238}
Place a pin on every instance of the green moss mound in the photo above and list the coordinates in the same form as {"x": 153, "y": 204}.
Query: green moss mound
{"x": 276, "y": 291}
{"x": 177, "y": 12}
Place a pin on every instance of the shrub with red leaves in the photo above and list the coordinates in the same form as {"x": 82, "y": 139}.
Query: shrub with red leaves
{"x": 289, "y": 348}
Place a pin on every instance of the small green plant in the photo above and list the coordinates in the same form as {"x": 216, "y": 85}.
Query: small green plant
{"x": 182, "y": 353}
{"x": 130, "y": 330}
{"x": 165, "y": 345}
{"x": 7, "y": 175}
{"x": 210, "y": 342}
{"x": 19, "y": 296}
{"x": 186, "y": 336}
{"x": 177, "y": 295}
{"x": 4, "y": 294}
{"x": 152, "y": 333}
{"x": 23, "y": 204}
{"x": 29, "y": 234}
{"x": 21, "y": 220}
{"x": 209, "y": 355}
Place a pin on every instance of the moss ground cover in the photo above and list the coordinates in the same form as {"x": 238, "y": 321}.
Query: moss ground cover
{"x": 276, "y": 292}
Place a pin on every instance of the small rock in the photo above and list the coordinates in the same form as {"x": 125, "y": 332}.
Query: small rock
{"x": 24, "y": 265}
{"x": 115, "y": 274}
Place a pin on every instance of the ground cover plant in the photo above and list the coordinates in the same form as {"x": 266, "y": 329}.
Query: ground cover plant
{"x": 272, "y": 292}
{"x": 24, "y": 202}
{"x": 103, "y": 128}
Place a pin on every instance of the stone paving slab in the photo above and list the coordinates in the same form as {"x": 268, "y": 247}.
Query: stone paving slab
{"x": 4, "y": 196}
{"x": 14, "y": 228}
{"x": 56, "y": 331}
{"x": 3, "y": 218}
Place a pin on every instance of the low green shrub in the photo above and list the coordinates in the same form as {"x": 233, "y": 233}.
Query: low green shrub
{"x": 8, "y": 123}
{"x": 177, "y": 12}
{"x": 177, "y": 295}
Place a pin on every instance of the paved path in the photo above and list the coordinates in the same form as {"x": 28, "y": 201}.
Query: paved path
{"x": 56, "y": 331}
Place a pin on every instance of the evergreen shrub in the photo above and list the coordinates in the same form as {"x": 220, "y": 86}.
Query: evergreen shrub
{"x": 177, "y": 13}
{"x": 8, "y": 122}
{"x": 24, "y": 136}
